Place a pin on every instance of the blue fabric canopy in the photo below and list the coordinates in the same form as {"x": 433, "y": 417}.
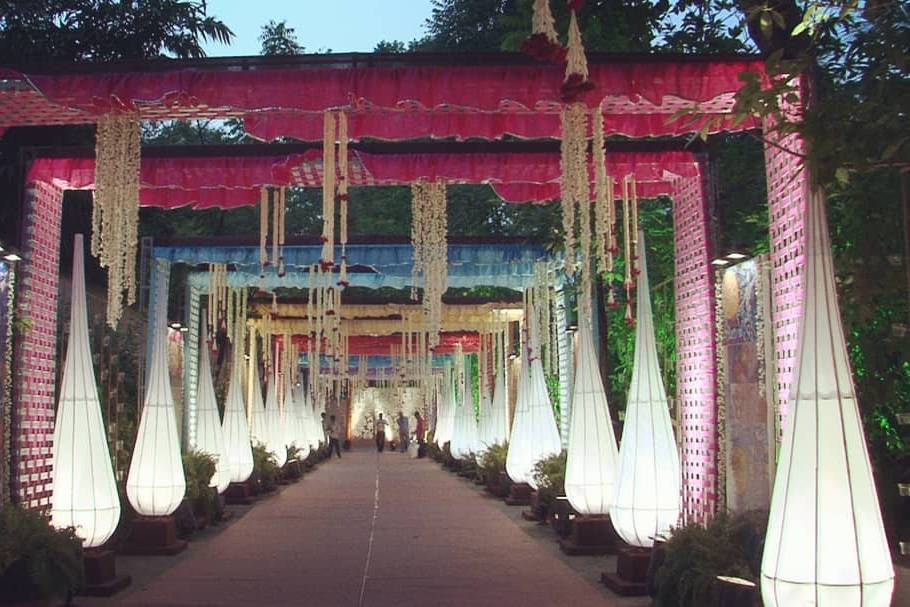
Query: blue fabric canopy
{"x": 501, "y": 265}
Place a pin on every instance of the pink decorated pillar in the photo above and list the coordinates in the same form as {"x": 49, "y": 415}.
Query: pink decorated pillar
{"x": 35, "y": 360}
{"x": 695, "y": 347}
{"x": 788, "y": 188}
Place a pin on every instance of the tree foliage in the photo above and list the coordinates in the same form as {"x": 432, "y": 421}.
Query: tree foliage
{"x": 105, "y": 30}
{"x": 279, "y": 39}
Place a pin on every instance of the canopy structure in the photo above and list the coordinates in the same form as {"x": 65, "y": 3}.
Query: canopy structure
{"x": 447, "y": 101}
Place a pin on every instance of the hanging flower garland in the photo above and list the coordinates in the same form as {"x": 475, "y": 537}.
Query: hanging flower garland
{"x": 576, "y": 82}
{"x": 543, "y": 43}
{"x": 217, "y": 295}
{"x": 429, "y": 233}
{"x": 630, "y": 239}
{"x": 574, "y": 179}
{"x": 327, "y": 259}
{"x": 343, "y": 194}
{"x": 115, "y": 213}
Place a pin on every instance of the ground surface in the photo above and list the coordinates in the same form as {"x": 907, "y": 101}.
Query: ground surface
{"x": 370, "y": 531}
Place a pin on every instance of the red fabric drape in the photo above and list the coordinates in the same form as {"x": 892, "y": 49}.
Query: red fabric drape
{"x": 316, "y": 88}
{"x": 228, "y": 182}
{"x": 380, "y": 345}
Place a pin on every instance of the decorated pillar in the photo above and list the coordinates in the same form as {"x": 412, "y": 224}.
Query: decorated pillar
{"x": 787, "y": 195}
{"x": 695, "y": 343}
{"x": 35, "y": 359}
{"x": 191, "y": 362}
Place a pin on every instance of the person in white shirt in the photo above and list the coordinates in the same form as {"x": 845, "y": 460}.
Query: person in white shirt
{"x": 333, "y": 438}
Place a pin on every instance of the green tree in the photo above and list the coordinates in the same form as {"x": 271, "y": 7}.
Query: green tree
{"x": 279, "y": 39}
{"x": 106, "y": 30}
{"x": 390, "y": 46}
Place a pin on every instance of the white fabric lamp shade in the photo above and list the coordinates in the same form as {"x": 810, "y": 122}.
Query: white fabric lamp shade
{"x": 591, "y": 454}
{"x": 445, "y": 419}
{"x": 274, "y": 425}
{"x": 484, "y": 422}
{"x": 84, "y": 490}
{"x": 257, "y": 410}
{"x": 648, "y": 477}
{"x": 499, "y": 420}
{"x": 209, "y": 434}
{"x": 155, "y": 484}
{"x": 825, "y": 543}
{"x": 534, "y": 432}
{"x": 464, "y": 435}
{"x": 236, "y": 430}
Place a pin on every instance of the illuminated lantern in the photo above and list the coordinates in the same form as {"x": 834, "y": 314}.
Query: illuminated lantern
{"x": 464, "y": 435}
{"x": 236, "y": 430}
{"x": 209, "y": 435}
{"x": 499, "y": 412}
{"x": 534, "y": 432}
{"x": 591, "y": 455}
{"x": 648, "y": 476}
{"x": 155, "y": 484}
{"x": 445, "y": 418}
{"x": 825, "y": 543}
{"x": 274, "y": 425}
{"x": 84, "y": 490}
{"x": 257, "y": 409}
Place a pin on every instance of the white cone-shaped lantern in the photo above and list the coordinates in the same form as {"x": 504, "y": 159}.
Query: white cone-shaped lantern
{"x": 445, "y": 418}
{"x": 84, "y": 490}
{"x": 825, "y": 543}
{"x": 274, "y": 425}
{"x": 464, "y": 435}
{"x": 591, "y": 455}
{"x": 209, "y": 435}
{"x": 499, "y": 412}
{"x": 257, "y": 410}
{"x": 648, "y": 476}
{"x": 237, "y": 431}
{"x": 534, "y": 432}
{"x": 155, "y": 484}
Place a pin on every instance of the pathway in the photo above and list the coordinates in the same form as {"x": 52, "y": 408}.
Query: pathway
{"x": 369, "y": 531}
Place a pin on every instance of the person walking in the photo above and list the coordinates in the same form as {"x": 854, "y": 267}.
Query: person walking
{"x": 421, "y": 435}
{"x": 333, "y": 437}
{"x": 381, "y": 425}
{"x": 403, "y": 433}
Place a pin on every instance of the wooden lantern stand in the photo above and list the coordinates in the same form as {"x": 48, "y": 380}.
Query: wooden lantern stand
{"x": 101, "y": 577}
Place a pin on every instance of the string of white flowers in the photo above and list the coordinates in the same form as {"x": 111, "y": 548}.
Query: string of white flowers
{"x": 343, "y": 193}
{"x": 576, "y": 62}
{"x": 263, "y": 229}
{"x": 115, "y": 212}
{"x": 328, "y": 191}
{"x": 429, "y": 232}
{"x": 574, "y": 181}
{"x": 603, "y": 188}
{"x": 281, "y": 193}
{"x": 542, "y": 21}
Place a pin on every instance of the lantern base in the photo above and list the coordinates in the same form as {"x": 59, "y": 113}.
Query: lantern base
{"x": 238, "y": 494}
{"x": 101, "y": 577}
{"x": 537, "y": 510}
{"x": 153, "y": 536}
{"x": 631, "y": 577}
{"x": 519, "y": 494}
{"x": 590, "y": 535}
{"x": 735, "y": 592}
{"x": 561, "y": 516}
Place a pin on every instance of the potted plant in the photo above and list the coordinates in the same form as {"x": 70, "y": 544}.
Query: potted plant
{"x": 293, "y": 468}
{"x": 265, "y": 469}
{"x": 695, "y": 555}
{"x": 550, "y": 476}
{"x": 37, "y": 561}
{"x": 493, "y": 467}
{"x": 198, "y": 469}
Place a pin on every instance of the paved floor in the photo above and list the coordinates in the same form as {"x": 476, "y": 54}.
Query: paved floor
{"x": 370, "y": 531}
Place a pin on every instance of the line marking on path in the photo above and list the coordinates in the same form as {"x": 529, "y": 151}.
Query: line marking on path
{"x": 366, "y": 566}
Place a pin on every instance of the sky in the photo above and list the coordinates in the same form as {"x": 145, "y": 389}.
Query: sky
{"x": 320, "y": 25}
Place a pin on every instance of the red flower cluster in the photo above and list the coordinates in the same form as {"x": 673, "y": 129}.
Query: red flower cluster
{"x": 574, "y": 87}
{"x": 542, "y": 48}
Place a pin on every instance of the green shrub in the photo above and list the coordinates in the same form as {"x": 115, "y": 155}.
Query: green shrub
{"x": 198, "y": 469}
{"x": 36, "y": 560}
{"x": 550, "y": 476}
{"x": 265, "y": 468}
{"x": 696, "y": 555}
{"x": 493, "y": 460}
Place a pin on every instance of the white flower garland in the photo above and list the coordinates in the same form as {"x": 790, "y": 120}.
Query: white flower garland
{"x": 115, "y": 213}
{"x": 574, "y": 182}
{"x": 429, "y": 238}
